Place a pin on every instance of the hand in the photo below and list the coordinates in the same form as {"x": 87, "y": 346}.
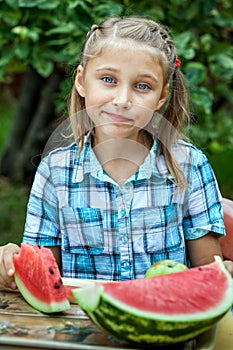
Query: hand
{"x": 229, "y": 266}
{"x": 7, "y": 269}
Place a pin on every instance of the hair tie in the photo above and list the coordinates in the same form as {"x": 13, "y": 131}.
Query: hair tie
{"x": 178, "y": 62}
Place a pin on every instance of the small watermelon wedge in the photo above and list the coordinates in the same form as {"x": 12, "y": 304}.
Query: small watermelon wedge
{"x": 38, "y": 279}
{"x": 72, "y": 283}
{"x": 161, "y": 310}
{"x": 69, "y": 294}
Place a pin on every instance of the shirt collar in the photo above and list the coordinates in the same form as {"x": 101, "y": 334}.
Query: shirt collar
{"x": 153, "y": 166}
{"x": 86, "y": 162}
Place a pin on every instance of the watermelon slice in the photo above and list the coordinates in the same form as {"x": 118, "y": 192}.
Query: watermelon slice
{"x": 71, "y": 283}
{"x": 69, "y": 294}
{"x": 38, "y": 279}
{"x": 162, "y": 310}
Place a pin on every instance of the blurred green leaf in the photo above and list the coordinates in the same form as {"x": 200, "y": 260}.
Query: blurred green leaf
{"x": 22, "y": 51}
{"x": 6, "y": 58}
{"x": 185, "y": 45}
{"x": 30, "y": 3}
{"x": 44, "y": 68}
{"x": 195, "y": 73}
{"x": 221, "y": 65}
{"x": 64, "y": 28}
{"x": 26, "y": 33}
{"x": 202, "y": 98}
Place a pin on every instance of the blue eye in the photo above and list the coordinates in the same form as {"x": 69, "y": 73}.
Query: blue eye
{"x": 108, "y": 80}
{"x": 142, "y": 86}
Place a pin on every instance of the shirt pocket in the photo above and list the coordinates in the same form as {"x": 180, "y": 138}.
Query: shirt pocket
{"x": 82, "y": 230}
{"x": 160, "y": 230}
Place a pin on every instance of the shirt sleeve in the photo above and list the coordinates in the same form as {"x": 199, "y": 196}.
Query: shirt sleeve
{"x": 204, "y": 211}
{"x": 42, "y": 223}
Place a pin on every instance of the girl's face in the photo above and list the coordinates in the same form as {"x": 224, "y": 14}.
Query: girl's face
{"x": 122, "y": 88}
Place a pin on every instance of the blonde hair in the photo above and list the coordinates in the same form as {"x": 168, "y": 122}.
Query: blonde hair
{"x": 147, "y": 33}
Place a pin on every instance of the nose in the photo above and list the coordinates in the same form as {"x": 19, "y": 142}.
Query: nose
{"x": 123, "y": 98}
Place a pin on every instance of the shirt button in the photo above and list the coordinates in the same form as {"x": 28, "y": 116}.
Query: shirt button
{"x": 126, "y": 265}
{"x": 124, "y": 239}
{"x": 123, "y": 213}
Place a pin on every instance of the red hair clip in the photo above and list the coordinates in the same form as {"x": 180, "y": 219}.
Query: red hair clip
{"x": 178, "y": 62}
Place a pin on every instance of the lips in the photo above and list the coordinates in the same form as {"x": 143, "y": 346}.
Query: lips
{"x": 118, "y": 118}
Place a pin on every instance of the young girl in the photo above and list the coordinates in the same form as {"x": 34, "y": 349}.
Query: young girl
{"x": 129, "y": 191}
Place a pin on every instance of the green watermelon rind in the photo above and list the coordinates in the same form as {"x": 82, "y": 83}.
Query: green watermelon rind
{"x": 37, "y": 304}
{"x": 141, "y": 330}
{"x": 144, "y": 327}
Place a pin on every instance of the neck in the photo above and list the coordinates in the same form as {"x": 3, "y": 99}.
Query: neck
{"x": 121, "y": 157}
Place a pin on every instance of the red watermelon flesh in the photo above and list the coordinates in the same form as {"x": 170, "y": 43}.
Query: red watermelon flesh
{"x": 226, "y": 242}
{"x": 72, "y": 283}
{"x": 203, "y": 295}
{"x": 164, "y": 309}
{"x": 38, "y": 279}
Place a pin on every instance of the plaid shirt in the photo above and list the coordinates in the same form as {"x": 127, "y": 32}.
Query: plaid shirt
{"x": 114, "y": 233}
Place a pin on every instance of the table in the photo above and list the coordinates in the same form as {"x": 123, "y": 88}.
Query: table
{"x": 224, "y": 334}
{"x": 22, "y": 327}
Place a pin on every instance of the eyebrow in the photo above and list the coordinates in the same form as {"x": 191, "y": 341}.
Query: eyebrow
{"x": 149, "y": 76}
{"x": 107, "y": 68}
{"x": 140, "y": 75}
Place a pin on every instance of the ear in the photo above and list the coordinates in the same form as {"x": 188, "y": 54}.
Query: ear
{"x": 163, "y": 97}
{"x": 79, "y": 81}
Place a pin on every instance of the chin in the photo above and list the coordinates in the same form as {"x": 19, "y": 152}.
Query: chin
{"x": 116, "y": 131}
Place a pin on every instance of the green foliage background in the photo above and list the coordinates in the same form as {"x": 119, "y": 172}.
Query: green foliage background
{"x": 45, "y": 34}
{"x": 48, "y": 35}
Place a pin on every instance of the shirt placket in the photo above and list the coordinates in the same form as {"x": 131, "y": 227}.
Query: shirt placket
{"x": 124, "y": 200}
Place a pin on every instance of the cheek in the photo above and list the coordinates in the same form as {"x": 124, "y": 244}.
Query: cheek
{"x": 150, "y": 102}
{"x": 93, "y": 113}
{"x": 143, "y": 115}
{"x": 145, "y": 110}
{"x": 95, "y": 98}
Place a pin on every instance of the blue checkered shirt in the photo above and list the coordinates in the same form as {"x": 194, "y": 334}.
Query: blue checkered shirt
{"x": 114, "y": 233}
